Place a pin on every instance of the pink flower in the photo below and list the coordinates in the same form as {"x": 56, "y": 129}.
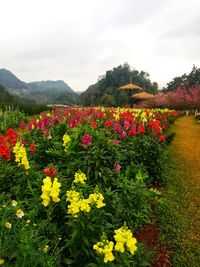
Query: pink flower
{"x": 123, "y": 135}
{"x": 86, "y": 139}
{"x": 117, "y": 128}
{"x": 126, "y": 125}
{"x": 117, "y": 167}
{"x": 115, "y": 141}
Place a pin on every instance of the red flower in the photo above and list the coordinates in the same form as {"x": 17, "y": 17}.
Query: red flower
{"x": 141, "y": 129}
{"x": 4, "y": 152}
{"x": 108, "y": 124}
{"x": 33, "y": 148}
{"x": 50, "y": 171}
{"x": 93, "y": 124}
{"x": 132, "y": 132}
{"x": 162, "y": 138}
{"x": 86, "y": 139}
{"x": 2, "y": 139}
{"x": 11, "y": 137}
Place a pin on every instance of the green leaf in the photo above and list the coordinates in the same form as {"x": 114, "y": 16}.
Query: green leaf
{"x": 68, "y": 261}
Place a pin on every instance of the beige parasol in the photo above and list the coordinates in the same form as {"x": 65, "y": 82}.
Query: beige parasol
{"x": 130, "y": 86}
{"x": 143, "y": 96}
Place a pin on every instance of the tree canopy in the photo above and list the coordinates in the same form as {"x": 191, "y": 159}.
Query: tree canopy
{"x": 105, "y": 91}
{"x": 190, "y": 80}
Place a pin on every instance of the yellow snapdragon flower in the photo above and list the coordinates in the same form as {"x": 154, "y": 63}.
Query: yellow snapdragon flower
{"x": 106, "y": 248}
{"x": 124, "y": 239}
{"x": 80, "y": 177}
{"x": 50, "y": 190}
{"x": 20, "y": 155}
{"x": 66, "y": 139}
{"x": 98, "y": 199}
{"x": 77, "y": 203}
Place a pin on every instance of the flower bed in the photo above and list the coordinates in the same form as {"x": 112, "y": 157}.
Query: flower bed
{"x": 73, "y": 191}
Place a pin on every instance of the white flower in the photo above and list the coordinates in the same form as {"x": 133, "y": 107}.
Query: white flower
{"x": 14, "y": 203}
{"x": 19, "y": 213}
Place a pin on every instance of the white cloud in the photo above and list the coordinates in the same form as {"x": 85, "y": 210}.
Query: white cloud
{"x": 79, "y": 40}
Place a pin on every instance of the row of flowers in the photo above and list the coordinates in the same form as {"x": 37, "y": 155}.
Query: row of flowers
{"x": 96, "y": 162}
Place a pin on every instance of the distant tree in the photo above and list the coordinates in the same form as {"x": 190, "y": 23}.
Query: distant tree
{"x": 107, "y": 100}
{"x": 108, "y": 84}
{"x": 188, "y": 81}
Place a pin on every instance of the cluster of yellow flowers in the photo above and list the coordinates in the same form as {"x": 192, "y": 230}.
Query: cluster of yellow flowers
{"x": 124, "y": 239}
{"x": 97, "y": 198}
{"x": 20, "y": 155}
{"x": 50, "y": 189}
{"x": 78, "y": 203}
{"x": 66, "y": 139}
{"x": 80, "y": 177}
{"x": 105, "y": 247}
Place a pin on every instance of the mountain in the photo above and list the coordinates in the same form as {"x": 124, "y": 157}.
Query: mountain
{"x": 59, "y": 86}
{"x": 9, "y": 80}
{"x": 41, "y": 92}
{"x": 5, "y": 96}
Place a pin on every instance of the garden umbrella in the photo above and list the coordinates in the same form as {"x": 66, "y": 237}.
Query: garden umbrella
{"x": 130, "y": 86}
{"x": 143, "y": 96}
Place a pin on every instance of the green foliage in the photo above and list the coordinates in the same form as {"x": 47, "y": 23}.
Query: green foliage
{"x": 28, "y": 109}
{"x": 10, "y": 119}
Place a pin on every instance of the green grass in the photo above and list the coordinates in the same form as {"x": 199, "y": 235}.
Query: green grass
{"x": 178, "y": 210}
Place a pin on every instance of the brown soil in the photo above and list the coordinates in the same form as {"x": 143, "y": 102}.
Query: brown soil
{"x": 150, "y": 235}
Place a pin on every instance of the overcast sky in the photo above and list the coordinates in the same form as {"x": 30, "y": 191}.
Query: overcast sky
{"x": 79, "y": 40}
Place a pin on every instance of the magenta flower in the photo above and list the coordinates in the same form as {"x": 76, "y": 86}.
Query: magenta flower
{"x": 86, "y": 139}
{"x": 22, "y": 125}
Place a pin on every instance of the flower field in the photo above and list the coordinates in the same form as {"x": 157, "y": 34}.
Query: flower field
{"x": 74, "y": 186}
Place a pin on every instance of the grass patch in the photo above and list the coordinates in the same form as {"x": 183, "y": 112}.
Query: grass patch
{"x": 178, "y": 209}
